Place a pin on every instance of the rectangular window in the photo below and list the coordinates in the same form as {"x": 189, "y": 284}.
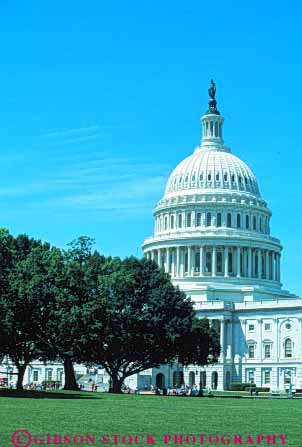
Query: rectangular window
{"x": 172, "y": 222}
{"x": 208, "y": 262}
{"x": 218, "y": 219}
{"x": 219, "y": 262}
{"x": 35, "y": 376}
{"x": 198, "y": 219}
{"x": 267, "y": 326}
{"x": 251, "y": 376}
{"x": 267, "y": 351}
{"x": 197, "y": 261}
{"x": 267, "y": 377}
{"x": 188, "y": 219}
{"x": 251, "y": 328}
{"x": 49, "y": 374}
{"x": 251, "y": 351}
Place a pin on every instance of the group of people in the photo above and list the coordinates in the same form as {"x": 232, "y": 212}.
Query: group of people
{"x": 184, "y": 390}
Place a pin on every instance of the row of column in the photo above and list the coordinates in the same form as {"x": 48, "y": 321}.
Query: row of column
{"x": 247, "y": 262}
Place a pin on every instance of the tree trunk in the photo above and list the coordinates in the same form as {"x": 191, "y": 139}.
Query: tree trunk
{"x": 21, "y": 372}
{"x": 115, "y": 385}
{"x": 70, "y": 380}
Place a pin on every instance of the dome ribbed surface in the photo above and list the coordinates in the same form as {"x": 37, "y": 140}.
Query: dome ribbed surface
{"x": 210, "y": 171}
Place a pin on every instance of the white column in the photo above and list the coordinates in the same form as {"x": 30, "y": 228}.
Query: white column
{"x": 300, "y": 337}
{"x": 249, "y": 268}
{"x": 201, "y": 261}
{"x": 261, "y": 348}
{"x": 189, "y": 261}
{"x": 273, "y": 266}
{"x": 158, "y": 257}
{"x": 214, "y": 261}
{"x": 259, "y": 264}
{"x": 238, "y": 262}
{"x": 226, "y": 262}
{"x": 152, "y": 255}
{"x": 177, "y": 261}
{"x": 173, "y": 263}
{"x": 278, "y": 267}
{"x": 192, "y": 261}
{"x": 167, "y": 258}
{"x": 277, "y": 339}
{"x": 266, "y": 264}
{"x": 222, "y": 339}
{"x": 182, "y": 263}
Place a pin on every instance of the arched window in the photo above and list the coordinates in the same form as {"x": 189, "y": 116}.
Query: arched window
{"x": 191, "y": 378}
{"x": 188, "y": 219}
{"x": 198, "y": 219}
{"x": 172, "y": 222}
{"x": 203, "y": 379}
{"x": 233, "y": 178}
{"x": 209, "y": 218}
{"x": 238, "y": 220}
{"x": 229, "y": 220}
{"x": 217, "y": 177}
{"x": 247, "y": 222}
{"x": 227, "y": 380}
{"x": 160, "y": 381}
{"x": 254, "y": 223}
{"x": 208, "y": 262}
{"x": 179, "y": 220}
{"x": 209, "y": 177}
{"x": 214, "y": 380}
{"x": 178, "y": 379}
{"x": 288, "y": 348}
{"x": 218, "y": 219}
{"x": 225, "y": 177}
{"x": 260, "y": 225}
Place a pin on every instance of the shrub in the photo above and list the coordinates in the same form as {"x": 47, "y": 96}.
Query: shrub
{"x": 240, "y": 386}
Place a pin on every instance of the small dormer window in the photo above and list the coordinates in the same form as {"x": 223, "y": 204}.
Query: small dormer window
{"x": 233, "y": 178}
{"x": 187, "y": 178}
{"x": 193, "y": 178}
{"x": 245, "y": 179}
{"x": 225, "y": 177}
{"x": 209, "y": 177}
{"x": 201, "y": 177}
{"x": 217, "y": 177}
{"x": 180, "y": 179}
{"x": 240, "y": 179}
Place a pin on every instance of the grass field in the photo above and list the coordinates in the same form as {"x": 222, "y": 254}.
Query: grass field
{"x": 107, "y": 414}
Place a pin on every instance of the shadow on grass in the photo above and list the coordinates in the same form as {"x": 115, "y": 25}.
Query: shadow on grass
{"x": 46, "y": 394}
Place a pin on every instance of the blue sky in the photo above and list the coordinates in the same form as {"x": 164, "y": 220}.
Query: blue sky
{"x": 100, "y": 100}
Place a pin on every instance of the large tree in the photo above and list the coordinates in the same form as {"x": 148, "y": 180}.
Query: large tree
{"x": 139, "y": 320}
{"x": 201, "y": 346}
{"x": 73, "y": 303}
{"x": 25, "y": 303}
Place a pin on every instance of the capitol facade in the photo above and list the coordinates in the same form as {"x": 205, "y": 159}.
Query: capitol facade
{"x": 212, "y": 235}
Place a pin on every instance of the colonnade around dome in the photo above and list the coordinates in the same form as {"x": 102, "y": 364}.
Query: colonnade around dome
{"x": 216, "y": 261}
{"x": 189, "y": 219}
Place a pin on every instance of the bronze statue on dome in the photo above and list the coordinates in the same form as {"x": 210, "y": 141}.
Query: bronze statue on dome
{"x": 212, "y": 89}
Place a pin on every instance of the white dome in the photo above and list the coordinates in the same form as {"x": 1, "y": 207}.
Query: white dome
{"x": 212, "y": 169}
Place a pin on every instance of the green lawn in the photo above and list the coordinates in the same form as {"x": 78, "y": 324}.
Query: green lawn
{"x": 104, "y": 413}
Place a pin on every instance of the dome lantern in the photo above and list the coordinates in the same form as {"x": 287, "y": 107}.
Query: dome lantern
{"x": 212, "y": 123}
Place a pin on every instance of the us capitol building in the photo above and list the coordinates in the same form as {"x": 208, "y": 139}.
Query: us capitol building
{"x": 212, "y": 235}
